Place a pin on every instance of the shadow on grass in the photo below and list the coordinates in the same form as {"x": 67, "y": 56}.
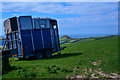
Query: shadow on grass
{"x": 10, "y": 68}
{"x": 65, "y": 55}
{"x": 6, "y": 67}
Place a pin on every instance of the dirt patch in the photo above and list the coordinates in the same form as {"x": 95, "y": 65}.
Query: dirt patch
{"x": 93, "y": 73}
{"x": 96, "y": 63}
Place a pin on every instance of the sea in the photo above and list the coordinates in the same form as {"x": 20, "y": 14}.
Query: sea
{"x": 87, "y": 35}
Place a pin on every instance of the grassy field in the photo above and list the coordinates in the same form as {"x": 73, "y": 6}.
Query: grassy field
{"x": 90, "y": 57}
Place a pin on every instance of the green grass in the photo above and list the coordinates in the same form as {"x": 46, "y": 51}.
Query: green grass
{"x": 80, "y": 54}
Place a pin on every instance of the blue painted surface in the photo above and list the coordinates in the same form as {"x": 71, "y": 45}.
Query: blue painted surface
{"x": 38, "y": 44}
{"x": 27, "y": 42}
{"x": 37, "y": 38}
{"x": 47, "y": 38}
{"x": 32, "y": 40}
{"x": 19, "y": 49}
{"x": 25, "y": 22}
{"x": 55, "y": 40}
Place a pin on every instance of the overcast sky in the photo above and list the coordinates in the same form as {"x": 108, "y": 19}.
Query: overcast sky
{"x": 73, "y": 17}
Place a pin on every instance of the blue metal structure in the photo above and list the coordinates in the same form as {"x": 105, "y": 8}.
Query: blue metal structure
{"x": 27, "y": 37}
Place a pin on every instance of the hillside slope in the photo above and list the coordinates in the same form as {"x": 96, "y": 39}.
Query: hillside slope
{"x": 66, "y": 39}
{"x": 93, "y": 57}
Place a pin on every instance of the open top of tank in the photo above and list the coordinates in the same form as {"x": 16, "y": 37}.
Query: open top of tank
{"x": 27, "y": 22}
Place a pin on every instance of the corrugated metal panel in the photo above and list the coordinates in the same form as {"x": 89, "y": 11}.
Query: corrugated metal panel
{"x": 47, "y": 38}
{"x": 27, "y": 42}
{"x": 57, "y": 39}
{"x": 37, "y": 38}
{"x": 57, "y": 42}
{"x": 53, "y": 40}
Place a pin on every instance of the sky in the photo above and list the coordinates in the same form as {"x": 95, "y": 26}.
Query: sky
{"x": 74, "y": 18}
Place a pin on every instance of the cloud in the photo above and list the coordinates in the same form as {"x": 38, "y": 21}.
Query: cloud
{"x": 90, "y": 24}
{"x": 91, "y": 17}
{"x": 17, "y": 14}
{"x": 108, "y": 19}
{"x": 60, "y": 0}
{"x": 58, "y": 8}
